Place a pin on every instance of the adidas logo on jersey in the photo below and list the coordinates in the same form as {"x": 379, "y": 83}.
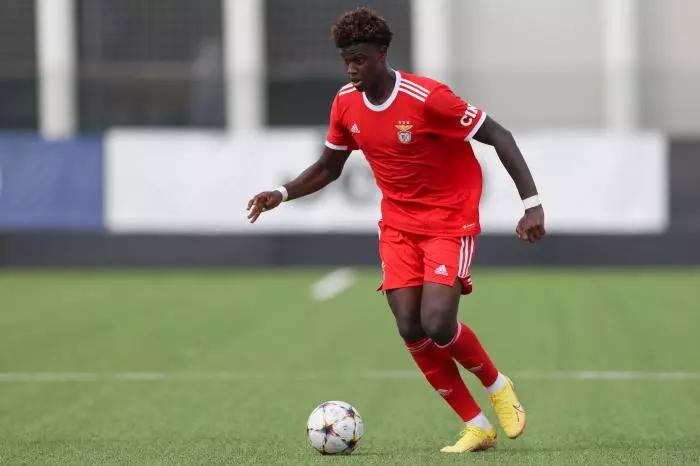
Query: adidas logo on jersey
{"x": 355, "y": 129}
{"x": 441, "y": 270}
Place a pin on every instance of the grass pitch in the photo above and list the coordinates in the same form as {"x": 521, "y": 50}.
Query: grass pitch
{"x": 224, "y": 367}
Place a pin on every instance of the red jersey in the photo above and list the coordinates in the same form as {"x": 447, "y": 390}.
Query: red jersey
{"x": 417, "y": 144}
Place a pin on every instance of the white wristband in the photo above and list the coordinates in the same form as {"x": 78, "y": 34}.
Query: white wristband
{"x": 283, "y": 191}
{"x": 532, "y": 201}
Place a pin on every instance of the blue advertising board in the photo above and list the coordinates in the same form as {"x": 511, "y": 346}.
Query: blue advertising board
{"x": 50, "y": 185}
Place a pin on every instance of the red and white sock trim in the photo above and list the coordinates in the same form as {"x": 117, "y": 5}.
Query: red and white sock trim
{"x": 480, "y": 421}
{"x": 419, "y": 345}
{"x": 454, "y": 338}
{"x": 497, "y": 385}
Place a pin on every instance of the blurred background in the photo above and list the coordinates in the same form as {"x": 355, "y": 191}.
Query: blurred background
{"x": 133, "y": 132}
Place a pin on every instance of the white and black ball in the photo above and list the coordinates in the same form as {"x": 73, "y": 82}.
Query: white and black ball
{"x": 334, "y": 427}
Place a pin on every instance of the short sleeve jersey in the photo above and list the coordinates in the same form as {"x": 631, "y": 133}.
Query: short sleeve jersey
{"x": 417, "y": 144}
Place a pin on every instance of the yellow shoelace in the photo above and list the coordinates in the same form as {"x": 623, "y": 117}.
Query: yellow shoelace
{"x": 469, "y": 429}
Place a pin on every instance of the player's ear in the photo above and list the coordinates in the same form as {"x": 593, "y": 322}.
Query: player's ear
{"x": 383, "y": 49}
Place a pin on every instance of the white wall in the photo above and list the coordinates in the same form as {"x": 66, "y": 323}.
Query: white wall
{"x": 539, "y": 64}
{"x": 199, "y": 182}
{"x": 531, "y": 64}
{"x": 670, "y": 47}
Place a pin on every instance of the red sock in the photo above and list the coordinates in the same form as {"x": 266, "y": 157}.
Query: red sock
{"x": 467, "y": 350}
{"x": 442, "y": 373}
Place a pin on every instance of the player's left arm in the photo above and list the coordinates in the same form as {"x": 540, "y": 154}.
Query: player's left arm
{"x": 531, "y": 225}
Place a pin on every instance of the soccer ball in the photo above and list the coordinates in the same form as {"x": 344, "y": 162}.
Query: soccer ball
{"x": 334, "y": 427}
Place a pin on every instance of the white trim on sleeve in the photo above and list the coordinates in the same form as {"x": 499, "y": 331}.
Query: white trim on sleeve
{"x": 411, "y": 83}
{"x": 476, "y": 126}
{"x": 335, "y": 147}
{"x": 415, "y": 96}
{"x": 414, "y": 87}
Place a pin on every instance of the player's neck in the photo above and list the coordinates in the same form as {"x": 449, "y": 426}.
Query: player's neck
{"x": 382, "y": 88}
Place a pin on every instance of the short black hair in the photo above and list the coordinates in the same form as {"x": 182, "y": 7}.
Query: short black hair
{"x": 361, "y": 25}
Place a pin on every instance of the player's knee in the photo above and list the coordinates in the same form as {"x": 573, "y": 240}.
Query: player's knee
{"x": 409, "y": 330}
{"x": 438, "y": 325}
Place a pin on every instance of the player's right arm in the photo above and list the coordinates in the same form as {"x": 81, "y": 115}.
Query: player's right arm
{"x": 531, "y": 226}
{"x": 450, "y": 116}
{"x": 324, "y": 171}
{"x": 327, "y": 168}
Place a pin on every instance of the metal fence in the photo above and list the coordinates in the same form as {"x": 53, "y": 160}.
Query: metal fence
{"x": 547, "y": 64}
{"x": 17, "y": 65}
{"x": 150, "y": 63}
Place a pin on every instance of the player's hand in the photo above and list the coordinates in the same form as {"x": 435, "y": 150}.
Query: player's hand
{"x": 266, "y": 200}
{"x": 531, "y": 226}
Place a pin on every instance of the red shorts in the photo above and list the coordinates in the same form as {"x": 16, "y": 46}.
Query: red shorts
{"x": 410, "y": 259}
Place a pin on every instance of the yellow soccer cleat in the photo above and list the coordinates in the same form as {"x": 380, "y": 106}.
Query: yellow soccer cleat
{"x": 511, "y": 414}
{"x": 473, "y": 438}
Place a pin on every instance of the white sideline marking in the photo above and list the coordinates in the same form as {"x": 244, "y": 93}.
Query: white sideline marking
{"x": 606, "y": 375}
{"x": 554, "y": 375}
{"x": 47, "y": 377}
{"x": 332, "y": 284}
{"x": 381, "y": 375}
{"x": 126, "y": 376}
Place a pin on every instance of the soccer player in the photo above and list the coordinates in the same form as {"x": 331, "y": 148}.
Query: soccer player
{"x": 415, "y": 133}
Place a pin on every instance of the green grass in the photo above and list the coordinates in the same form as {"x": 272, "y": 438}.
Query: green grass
{"x": 248, "y": 354}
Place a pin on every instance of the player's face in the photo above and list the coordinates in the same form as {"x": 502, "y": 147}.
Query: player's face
{"x": 364, "y": 63}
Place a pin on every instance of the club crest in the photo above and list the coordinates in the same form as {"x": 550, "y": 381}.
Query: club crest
{"x": 404, "y": 133}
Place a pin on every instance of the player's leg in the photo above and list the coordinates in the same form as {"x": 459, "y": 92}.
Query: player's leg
{"x": 439, "y": 304}
{"x": 405, "y": 305}
{"x": 439, "y": 307}
{"x": 447, "y": 263}
{"x": 435, "y": 363}
{"x": 402, "y": 265}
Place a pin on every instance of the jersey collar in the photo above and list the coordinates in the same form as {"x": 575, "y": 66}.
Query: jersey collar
{"x": 384, "y": 105}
